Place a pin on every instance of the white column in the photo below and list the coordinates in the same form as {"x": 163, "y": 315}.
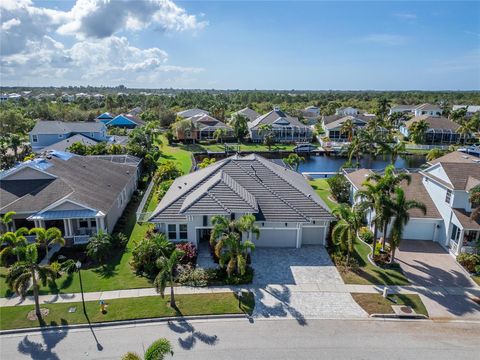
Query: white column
{"x": 66, "y": 229}
{"x": 70, "y": 227}
{"x": 299, "y": 236}
{"x": 460, "y": 242}
{"x": 41, "y": 223}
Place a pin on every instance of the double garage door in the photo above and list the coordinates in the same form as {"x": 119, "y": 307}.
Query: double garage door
{"x": 288, "y": 237}
{"x": 419, "y": 230}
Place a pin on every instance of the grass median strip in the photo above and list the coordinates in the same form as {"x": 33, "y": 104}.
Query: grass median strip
{"x": 377, "y": 304}
{"x": 15, "y": 317}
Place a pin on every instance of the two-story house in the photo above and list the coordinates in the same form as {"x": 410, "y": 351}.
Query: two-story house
{"x": 285, "y": 128}
{"x": 80, "y": 195}
{"x": 46, "y": 133}
{"x": 444, "y": 188}
{"x": 440, "y": 130}
{"x": 345, "y": 111}
{"x": 428, "y": 109}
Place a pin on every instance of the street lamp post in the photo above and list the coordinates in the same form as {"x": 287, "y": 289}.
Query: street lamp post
{"x": 78, "y": 264}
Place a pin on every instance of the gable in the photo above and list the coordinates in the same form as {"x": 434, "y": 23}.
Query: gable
{"x": 439, "y": 172}
{"x": 67, "y": 205}
{"x": 28, "y": 173}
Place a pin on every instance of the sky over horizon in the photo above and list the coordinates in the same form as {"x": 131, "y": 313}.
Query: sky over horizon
{"x": 302, "y": 45}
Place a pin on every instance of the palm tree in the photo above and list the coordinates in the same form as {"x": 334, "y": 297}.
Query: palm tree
{"x": 434, "y": 154}
{"x": 239, "y": 124}
{"x": 15, "y": 143}
{"x": 156, "y": 351}
{"x": 398, "y": 148}
{"x": 48, "y": 237}
{"x": 294, "y": 160}
{"x": 268, "y": 137}
{"x": 28, "y": 272}
{"x": 15, "y": 242}
{"x": 167, "y": 267}
{"x": 383, "y": 107}
{"x": 220, "y": 134}
{"x": 99, "y": 246}
{"x": 418, "y": 131}
{"x": 348, "y": 127}
{"x": 474, "y": 196}
{"x": 225, "y": 238}
{"x": 7, "y": 219}
{"x": 401, "y": 207}
{"x": 465, "y": 130}
{"x": 345, "y": 230}
{"x": 355, "y": 149}
{"x": 371, "y": 199}
{"x": 184, "y": 129}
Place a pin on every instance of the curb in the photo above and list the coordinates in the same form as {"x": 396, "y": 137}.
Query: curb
{"x": 395, "y": 316}
{"x": 123, "y": 323}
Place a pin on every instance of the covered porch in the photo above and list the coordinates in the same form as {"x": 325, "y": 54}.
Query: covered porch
{"x": 464, "y": 234}
{"x": 77, "y": 226}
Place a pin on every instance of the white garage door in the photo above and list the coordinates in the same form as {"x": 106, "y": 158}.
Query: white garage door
{"x": 419, "y": 230}
{"x": 277, "y": 238}
{"x": 312, "y": 235}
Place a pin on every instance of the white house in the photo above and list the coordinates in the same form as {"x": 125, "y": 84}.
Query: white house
{"x": 288, "y": 211}
{"x": 347, "y": 111}
{"x": 428, "y": 109}
{"x": 444, "y": 188}
{"x": 404, "y": 109}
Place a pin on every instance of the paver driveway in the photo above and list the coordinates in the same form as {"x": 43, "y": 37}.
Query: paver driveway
{"x": 286, "y": 285}
{"x": 426, "y": 263}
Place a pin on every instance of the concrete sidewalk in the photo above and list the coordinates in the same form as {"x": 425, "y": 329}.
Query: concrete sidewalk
{"x": 311, "y": 288}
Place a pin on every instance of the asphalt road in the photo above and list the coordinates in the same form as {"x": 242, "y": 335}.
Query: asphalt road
{"x": 263, "y": 339}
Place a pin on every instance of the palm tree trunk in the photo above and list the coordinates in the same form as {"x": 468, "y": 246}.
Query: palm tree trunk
{"x": 385, "y": 229}
{"x": 172, "y": 294}
{"x": 35, "y": 295}
{"x": 374, "y": 244}
{"x": 392, "y": 257}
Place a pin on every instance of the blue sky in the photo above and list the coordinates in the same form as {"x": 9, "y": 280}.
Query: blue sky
{"x": 244, "y": 44}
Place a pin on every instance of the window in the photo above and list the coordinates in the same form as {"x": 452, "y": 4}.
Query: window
{"x": 455, "y": 233}
{"x": 34, "y": 138}
{"x": 448, "y": 197}
{"x": 83, "y": 223}
{"x": 172, "y": 231}
{"x": 183, "y": 229}
{"x": 93, "y": 223}
{"x": 205, "y": 220}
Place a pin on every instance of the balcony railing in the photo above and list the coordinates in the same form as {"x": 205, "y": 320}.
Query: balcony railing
{"x": 453, "y": 246}
{"x": 81, "y": 239}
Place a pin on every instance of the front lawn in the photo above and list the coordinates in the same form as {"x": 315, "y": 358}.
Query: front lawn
{"x": 368, "y": 274}
{"x": 323, "y": 190}
{"x": 476, "y": 279}
{"x": 377, "y": 304}
{"x": 15, "y": 317}
{"x": 177, "y": 154}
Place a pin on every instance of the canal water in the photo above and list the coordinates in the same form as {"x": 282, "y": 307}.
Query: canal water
{"x": 323, "y": 163}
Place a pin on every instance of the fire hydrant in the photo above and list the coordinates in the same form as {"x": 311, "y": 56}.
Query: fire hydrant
{"x": 103, "y": 307}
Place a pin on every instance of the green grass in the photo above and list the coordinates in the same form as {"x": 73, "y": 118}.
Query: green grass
{"x": 476, "y": 279}
{"x": 323, "y": 190}
{"x": 177, "y": 154}
{"x": 15, "y": 317}
{"x": 243, "y": 147}
{"x": 368, "y": 274}
{"x": 377, "y": 304}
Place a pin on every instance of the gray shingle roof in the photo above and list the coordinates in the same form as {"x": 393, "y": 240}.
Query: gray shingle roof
{"x": 65, "y": 144}
{"x": 191, "y": 112}
{"x": 339, "y": 122}
{"x": 90, "y": 181}
{"x": 249, "y": 113}
{"x": 204, "y": 121}
{"x": 61, "y": 127}
{"x": 276, "y": 117}
{"x": 434, "y": 122}
{"x": 280, "y": 194}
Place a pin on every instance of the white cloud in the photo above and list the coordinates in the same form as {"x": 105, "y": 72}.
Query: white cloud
{"x": 406, "y": 16}
{"x": 384, "y": 39}
{"x": 103, "y": 18}
{"x": 32, "y": 53}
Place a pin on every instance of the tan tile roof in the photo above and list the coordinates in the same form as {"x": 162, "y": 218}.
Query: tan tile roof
{"x": 358, "y": 177}
{"x": 465, "y": 219}
{"x": 455, "y": 157}
{"x": 416, "y": 191}
{"x": 434, "y": 122}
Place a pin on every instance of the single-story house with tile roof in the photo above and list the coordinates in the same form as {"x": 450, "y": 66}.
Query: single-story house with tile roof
{"x": 126, "y": 121}
{"x": 203, "y": 128}
{"x": 81, "y": 195}
{"x": 440, "y": 129}
{"x": 284, "y": 127}
{"x": 191, "y": 112}
{"x": 248, "y": 113}
{"x": 421, "y": 226}
{"x": 46, "y": 133}
{"x": 288, "y": 211}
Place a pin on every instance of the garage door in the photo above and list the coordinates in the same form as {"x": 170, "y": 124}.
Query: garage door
{"x": 312, "y": 235}
{"x": 419, "y": 230}
{"x": 277, "y": 238}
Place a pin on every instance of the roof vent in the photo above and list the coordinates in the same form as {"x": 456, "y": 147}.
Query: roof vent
{"x": 276, "y": 108}
{"x": 465, "y": 157}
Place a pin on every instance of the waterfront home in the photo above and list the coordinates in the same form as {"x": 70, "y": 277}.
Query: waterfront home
{"x": 428, "y": 109}
{"x": 46, "y": 133}
{"x": 191, "y": 112}
{"x": 248, "y": 113}
{"x": 444, "y": 188}
{"x": 440, "y": 129}
{"x": 287, "y": 210}
{"x": 471, "y": 109}
{"x": 285, "y": 128}
{"x": 404, "y": 109}
{"x": 202, "y": 127}
{"x": 80, "y": 195}
{"x": 333, "y": 126}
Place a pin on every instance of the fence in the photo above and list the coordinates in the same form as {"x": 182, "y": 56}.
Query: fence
{"x": 425, "y": 147}
{"x": 142, "y": 215}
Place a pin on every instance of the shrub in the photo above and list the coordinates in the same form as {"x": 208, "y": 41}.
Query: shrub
{"x": 340, "y": 188}
{"x": 131, "y": 356}
{"x": 119, "y": 240}
{"x": 190, "y": 253}
{"x": 99, "y": 246}
{"x": 340, "y": 260}
{"x": 147, "y": 251}
{"x": 189, "y": 276}
{"x": 469, "y": 261}
{"x": 219, "y": 276}
{"x": 167, "y": 171}
{"x": 158, "y": 350}
{"x": 477, "y": 269}
{"x": 366, "y": 235}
